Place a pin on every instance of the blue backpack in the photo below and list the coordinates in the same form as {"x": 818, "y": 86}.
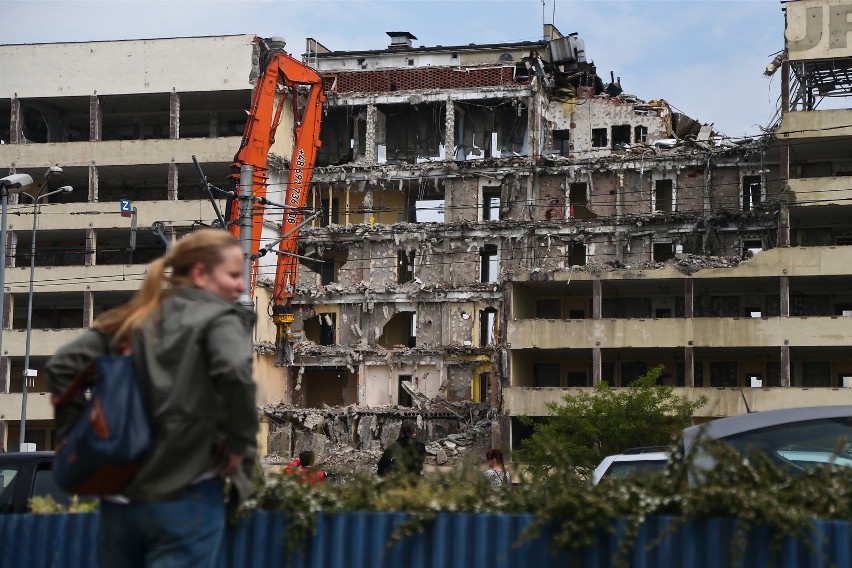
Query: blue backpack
{"x": 110, "y": 440}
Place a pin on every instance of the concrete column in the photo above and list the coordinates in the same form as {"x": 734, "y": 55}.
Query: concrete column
{"x": 597, "y": 295}
{"x": 785, "y": 365}
{"x": 173, "y": 181}
{"x": 368, "y": 205}
{"x": 689, "y": 367}
{"x": 88, "y": 308}
{"x": 370, "y": 150}
{"x": 174, "y": 115}
{"x": 784, "y": 227}
{"x": 688, "y": 298}
{"x": 362, "y": 384}
{"x": 450, "y": 130}
{"x": 15, "y": 121}
{"x": 785, "y": 297}
{"x": 95, "y": 119}
{"x": 596, "y": 366}
{"x": 503, "y": 437}
{"x": 93, "y": 183}
{"x": 784, "y": 172}
{"x": 91, "y": 246}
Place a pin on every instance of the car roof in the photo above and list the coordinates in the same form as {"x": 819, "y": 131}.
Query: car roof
{"x": 19, "y": 457}
{"x": 646, "y": 456}
{"x": 725, "y": 427}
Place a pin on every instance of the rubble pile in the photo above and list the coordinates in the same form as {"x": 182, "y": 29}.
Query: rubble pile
{"x": 349, "y": 440}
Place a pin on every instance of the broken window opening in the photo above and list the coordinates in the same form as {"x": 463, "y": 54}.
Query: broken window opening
{"x": 489, "y": 267}
{"x": 481, "y": 389}
{"x": 406, "y": 266}
{"x": 330, "y": 215}
{"x": 751, "y": 247}
{"x": 599, "y": 138}
{"x": 548, "y": 309}
{"x": 403, "y": 397}
{"x": 663, "y": 195}
{"x": 640, "y": 134}
{"x": 578, "y": 204}
{"x": 722, "y": 375}
{"x": 487, "y": 323}
{"x": 491, "y": 204}
{"x": 321, "y": 329}
{"x": 577, "y": 254}
{"x": 621, "y": 136}
{"x": 751, "y": 192}
{"x": 663, "y": 252}
{"x": 400, "y": 331}
{"x": 843, "y": 310}
{"x": 562, "y": 142}
{"x": 328, "y": 271}
{"x": 429, "y": 211}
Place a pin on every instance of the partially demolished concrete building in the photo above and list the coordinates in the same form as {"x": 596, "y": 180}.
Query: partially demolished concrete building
{"x": 503, "y": 224}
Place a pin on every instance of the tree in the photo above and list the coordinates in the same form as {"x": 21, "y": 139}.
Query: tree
{"x": 587, "y": 427}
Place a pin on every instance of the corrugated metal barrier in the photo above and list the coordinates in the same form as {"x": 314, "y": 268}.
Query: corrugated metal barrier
{"x": 355, "y": 540}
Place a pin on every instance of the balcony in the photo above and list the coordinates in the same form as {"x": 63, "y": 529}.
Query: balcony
{"x": 816, "y": 124}
{"x": 679, "y": 332}
{"x": 38, "y": 406}
{"x": 519, "y": 401}
{"x": 834, "y": 190}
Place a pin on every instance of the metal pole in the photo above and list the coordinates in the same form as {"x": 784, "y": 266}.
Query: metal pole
{"x": 5, "y": 205}
{"x": 246, "y": 188}
{"x": 29, "y": 324}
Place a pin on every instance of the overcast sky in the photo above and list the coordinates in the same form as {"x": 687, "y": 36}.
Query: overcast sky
{"x": 705, "y": 58}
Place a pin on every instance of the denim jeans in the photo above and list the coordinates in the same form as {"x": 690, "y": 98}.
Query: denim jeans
{"x": 185, "y": 532}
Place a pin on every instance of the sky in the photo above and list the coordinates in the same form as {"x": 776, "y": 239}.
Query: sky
{"x": 706, "y": 58}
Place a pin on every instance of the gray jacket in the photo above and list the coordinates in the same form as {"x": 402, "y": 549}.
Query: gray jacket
{"x": 195, "y": 365}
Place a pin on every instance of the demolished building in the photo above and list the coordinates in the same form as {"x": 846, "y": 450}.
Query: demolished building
{"x": 502, "y": 225}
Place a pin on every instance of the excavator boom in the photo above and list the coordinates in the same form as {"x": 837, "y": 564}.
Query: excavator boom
{"x": 281, "y": 76}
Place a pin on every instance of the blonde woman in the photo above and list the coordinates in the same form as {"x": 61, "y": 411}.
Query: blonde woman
{"x": 192, "y": 351}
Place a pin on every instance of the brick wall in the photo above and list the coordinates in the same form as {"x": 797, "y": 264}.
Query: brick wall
{"x": 418, "y": 78}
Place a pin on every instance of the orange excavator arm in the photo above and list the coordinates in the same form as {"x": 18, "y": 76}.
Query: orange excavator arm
{"x": 281, "y": 77}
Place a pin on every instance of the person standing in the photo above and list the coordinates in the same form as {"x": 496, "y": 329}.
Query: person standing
{"x": 406, "y": 455}
{"x": 496, "y": 473}
{"x": 192, "y": 351}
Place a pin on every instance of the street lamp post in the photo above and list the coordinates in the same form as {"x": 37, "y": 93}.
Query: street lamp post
{"x": 28, "y": 373}
{"x": 9, "y": 184}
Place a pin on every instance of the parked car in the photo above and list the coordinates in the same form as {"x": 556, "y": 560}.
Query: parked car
{"x": 635, "y": 461}
{"x": 797, "y": 439}
{"x": 24, "y": 475}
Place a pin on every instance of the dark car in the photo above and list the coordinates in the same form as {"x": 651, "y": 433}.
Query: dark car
{"x": 24, "y": 475}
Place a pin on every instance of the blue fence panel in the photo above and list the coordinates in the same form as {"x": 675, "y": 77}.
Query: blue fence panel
{"x": 459, "y": 540}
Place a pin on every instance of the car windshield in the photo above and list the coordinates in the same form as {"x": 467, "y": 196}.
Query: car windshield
{"x": 804, "y": 444}
{"x": 620, "y": 470}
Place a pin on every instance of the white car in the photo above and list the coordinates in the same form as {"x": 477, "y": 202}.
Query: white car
{"x": 632, "y": 462}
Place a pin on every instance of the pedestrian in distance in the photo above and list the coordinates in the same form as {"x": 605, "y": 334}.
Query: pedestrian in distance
{"x": 404, "y": 457}
{"x": 496, "y": 473}
{"x": 192, "y": 352}
{"x": 301, "y": 467}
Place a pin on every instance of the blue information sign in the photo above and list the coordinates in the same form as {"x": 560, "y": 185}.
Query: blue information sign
{"x": 126, "y": 209}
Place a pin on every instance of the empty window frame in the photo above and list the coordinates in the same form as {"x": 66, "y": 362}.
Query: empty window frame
{"x": 487, "y": 325}
{"x": 546, "y": 375}
{"x": 406, "y": 266}
{"x": 723, "y": 375}
{"x": 328, "y": 272}
{"x": 620, "y": 135}
{"x": 548, "y": 308}
{"x": 599, "y": 139}
{"x": 562, "y": 142}
{"x": 578, "y": 201}
{"x": 577, "y": 254}
{"x": 663, "y": 252}
{"x": 429, "y": 211}
{"x": 328, "y": 323}
{"x": 752, "y": 246}
{"x": 489, "y": 264}
{"x": 578, "y": 379}
{"x": 490, "y": 203}
{"x": 640, "y": 134}
{"x": 330, "y": 215}
{"x": 403, "y": 398}
{"x": 663, "y": 189}
{"x": 816, "y": 374}
{"x": 751, "y": 192}
{"x": 482, "y": 393}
